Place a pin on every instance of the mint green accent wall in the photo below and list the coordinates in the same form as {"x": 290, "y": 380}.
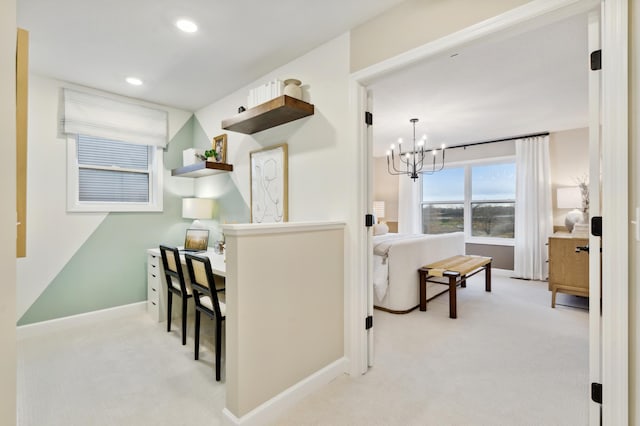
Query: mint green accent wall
{"x": 110, "y": 268}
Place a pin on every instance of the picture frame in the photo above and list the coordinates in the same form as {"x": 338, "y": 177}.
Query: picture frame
{"x": 269, "y": 180}
{"x": 219, "y": 144}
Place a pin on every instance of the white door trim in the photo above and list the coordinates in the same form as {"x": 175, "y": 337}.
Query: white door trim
{"x": 614, "y": 168}
{"x": 595, "y": 313}
{"x": 615, "y": 204}
{"x": 356, "y": 296}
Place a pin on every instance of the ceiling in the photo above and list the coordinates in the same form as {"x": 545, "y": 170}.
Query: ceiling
{"x": 532, "y": 82}
{"x": 100, "y": 43}
{"x": 510, "y": 85}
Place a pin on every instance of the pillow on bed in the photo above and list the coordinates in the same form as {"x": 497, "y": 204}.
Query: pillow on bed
{"x": 380, "y": 229}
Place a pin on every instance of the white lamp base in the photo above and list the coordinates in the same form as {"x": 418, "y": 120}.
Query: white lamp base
{"x": 573, "y": 217}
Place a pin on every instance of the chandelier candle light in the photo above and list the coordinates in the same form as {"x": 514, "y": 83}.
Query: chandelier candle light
{"x": 411, "y": 162}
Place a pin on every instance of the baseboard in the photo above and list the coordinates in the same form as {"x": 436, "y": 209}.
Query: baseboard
{"x": 269, "y": 411}
{"x": 502, "y": 272}
{"x": 45, "y": 327}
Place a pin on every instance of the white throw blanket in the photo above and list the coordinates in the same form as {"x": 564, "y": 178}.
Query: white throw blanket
{"x": 381, "y": 243}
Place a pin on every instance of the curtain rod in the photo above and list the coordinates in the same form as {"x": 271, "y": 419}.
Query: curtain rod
{"x": 531, "y": 135}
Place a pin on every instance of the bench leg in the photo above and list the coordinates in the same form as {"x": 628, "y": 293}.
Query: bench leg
{"x": 452, "y": 297}
{"x": 423, "y": 290}
{"x": 487, "y": 277}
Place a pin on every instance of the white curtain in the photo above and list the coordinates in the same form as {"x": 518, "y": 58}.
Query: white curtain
{"x": 534, "y": 219}
{"x": 409, "y": 205}
{"x": 97, "y": 116}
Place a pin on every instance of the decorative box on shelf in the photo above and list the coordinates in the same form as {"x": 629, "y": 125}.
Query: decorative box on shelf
{"x": 190, "y": 156}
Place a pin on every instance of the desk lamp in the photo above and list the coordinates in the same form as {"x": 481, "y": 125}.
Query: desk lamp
{"x": 197, "y": 208}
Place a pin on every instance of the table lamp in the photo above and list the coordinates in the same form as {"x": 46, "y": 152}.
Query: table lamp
{"x": 197, "y": 208}
{"x": 570, "y": 198}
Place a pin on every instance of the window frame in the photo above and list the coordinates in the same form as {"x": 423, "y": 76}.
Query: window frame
{"x": 467, "y": 165}
{"x": 156, "y": 172}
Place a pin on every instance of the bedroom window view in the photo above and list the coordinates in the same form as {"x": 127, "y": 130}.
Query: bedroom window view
{"x": 486, "y": 191}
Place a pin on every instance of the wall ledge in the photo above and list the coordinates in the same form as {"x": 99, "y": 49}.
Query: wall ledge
{"x": 244, "y": 229}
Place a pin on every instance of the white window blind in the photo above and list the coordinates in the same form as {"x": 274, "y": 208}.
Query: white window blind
{"x": 110, "y": 171}
{"x": 98, "y": 116}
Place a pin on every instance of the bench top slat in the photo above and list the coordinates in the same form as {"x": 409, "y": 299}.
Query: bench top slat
{"x": 462, "y": 264}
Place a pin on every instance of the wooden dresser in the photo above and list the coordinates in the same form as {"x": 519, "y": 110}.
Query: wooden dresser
{"x": 568, "y": 269}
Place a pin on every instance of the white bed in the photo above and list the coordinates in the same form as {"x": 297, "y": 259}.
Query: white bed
{"x": 396, "y": 260}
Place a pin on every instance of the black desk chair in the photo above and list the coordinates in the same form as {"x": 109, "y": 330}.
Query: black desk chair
{"x": 206, "y": 287}
{"x": 175, "y": 285}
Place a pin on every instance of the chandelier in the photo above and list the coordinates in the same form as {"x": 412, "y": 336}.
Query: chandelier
{"x": 412, "y": 161}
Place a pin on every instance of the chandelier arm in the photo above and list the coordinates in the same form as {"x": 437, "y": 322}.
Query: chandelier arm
{"x": 441, "y": 165}
{"x": 393, "y": 164}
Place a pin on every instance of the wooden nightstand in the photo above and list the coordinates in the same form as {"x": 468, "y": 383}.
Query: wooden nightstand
{"x": 568, "y": 267}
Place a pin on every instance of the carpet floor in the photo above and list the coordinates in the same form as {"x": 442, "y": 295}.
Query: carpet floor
{"x": 508, "y": 359}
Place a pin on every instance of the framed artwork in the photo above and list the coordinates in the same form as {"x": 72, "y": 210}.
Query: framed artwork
{"x": 269, "y": 178}
{"x": 219, "y": 145}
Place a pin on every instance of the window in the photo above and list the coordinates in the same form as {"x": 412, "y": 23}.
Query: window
{"x": 443, "y": 201}
{"x": 477, "y": 198}
{"x": 107, "y": 175}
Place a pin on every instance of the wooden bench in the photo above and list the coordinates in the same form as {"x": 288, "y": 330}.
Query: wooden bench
{"x": 457, "y": 269}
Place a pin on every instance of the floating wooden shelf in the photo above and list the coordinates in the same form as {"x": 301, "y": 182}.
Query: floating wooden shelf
{"x": 275, "y": 112}
{"x": 203, "y": 168}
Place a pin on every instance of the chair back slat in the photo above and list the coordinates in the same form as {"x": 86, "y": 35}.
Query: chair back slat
{"x": 173, "y": 270}
{"x": 202, "y": 281}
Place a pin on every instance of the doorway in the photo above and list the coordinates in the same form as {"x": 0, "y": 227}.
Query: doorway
{"x": 614, "y": 133}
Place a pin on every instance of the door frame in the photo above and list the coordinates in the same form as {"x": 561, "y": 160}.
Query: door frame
{"x": 615, "y": 262}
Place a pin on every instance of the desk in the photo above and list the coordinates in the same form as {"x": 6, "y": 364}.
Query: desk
{"x": 157, "y": 287}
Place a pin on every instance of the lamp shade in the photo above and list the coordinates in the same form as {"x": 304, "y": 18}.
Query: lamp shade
{"x": 197, "y": 208}
{"x": 378, "y": 209}
{"x": 569, "y": 198}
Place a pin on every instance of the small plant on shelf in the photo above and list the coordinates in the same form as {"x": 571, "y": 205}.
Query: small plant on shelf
{"x": 210, "y": 153}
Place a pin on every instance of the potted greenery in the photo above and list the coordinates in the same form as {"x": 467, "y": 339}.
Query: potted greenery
{"x": 210, "y": 155}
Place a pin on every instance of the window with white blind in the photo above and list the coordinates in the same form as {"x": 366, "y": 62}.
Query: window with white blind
{"x": 113, "y": 176}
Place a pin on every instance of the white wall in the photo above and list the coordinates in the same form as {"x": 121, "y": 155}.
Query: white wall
{"x": 54, "y": 235}
{"x": 414, "y": 23}
{"x": 8, "y": 212}
{"x": 320, "y": 173}
{"x": 569, "y": 152}
{"x": 634, "y": 200}
{"x": 385, "y": 188}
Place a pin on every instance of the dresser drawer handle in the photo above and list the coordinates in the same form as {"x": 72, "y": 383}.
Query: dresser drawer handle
{"x": 153, "y": 275}
{"x": 153, "y": 303}
{"x": 153, "y": 289}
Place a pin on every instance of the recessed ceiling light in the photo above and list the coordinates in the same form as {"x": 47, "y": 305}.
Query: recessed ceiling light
{"x": 187, "y": 26}
{"x": 134, "y": 81}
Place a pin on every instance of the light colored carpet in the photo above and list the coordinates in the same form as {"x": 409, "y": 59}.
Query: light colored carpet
{"x": 509, "y": 359}
{"x": 125, "y": 372}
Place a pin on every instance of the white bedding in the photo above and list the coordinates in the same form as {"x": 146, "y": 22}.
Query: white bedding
{"x": 396, "y": 260}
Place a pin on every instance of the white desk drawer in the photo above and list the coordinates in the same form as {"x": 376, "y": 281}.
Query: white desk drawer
{"x": 153, "y": 309}
{"x": 155, "y": 299}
